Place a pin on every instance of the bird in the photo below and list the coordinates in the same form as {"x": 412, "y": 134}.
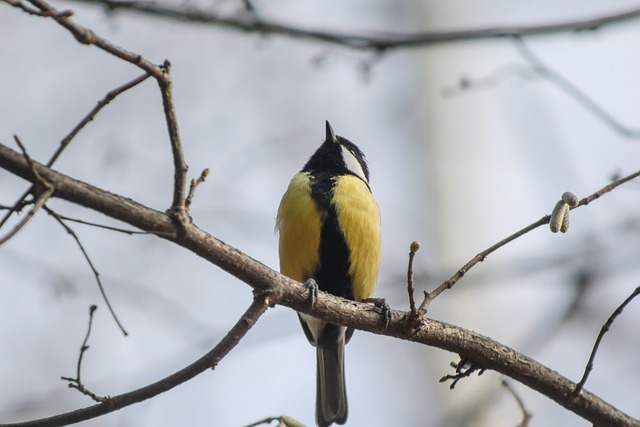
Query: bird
{"x": 329, "y": 238}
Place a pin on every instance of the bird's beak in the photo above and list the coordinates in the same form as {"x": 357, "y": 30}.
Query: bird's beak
{"x": 330, "y": 134}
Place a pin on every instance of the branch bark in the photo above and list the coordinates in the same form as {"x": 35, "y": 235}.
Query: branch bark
{"x": 482, "y": 351}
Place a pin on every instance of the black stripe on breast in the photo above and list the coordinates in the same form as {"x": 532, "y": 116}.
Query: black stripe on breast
{"x": 332, "y": 274}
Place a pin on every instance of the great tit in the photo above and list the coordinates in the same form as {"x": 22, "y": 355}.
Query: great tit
{"x": 329, "y": 228}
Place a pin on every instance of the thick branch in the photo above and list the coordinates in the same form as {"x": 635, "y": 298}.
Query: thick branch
{"x": 249, "y": 22}
{"x": 481, "y": 350}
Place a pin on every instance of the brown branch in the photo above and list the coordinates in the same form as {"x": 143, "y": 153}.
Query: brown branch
{"x": 481, "y": 256}
{"x": 260, "y": 304}
{"x": 606, "y": 189}
{"x": 605, "y": 328}
{"x": 414, "y": 247}
{"x": 179, "y": 166}
{"x": 484, "y": 352}
{"x": 375, "y": 41}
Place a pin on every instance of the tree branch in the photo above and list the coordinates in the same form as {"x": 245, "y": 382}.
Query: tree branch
{"x": 481, "y": 351}
{"x": 605, "y": 328}
{"x": 481, "y": 256}
{"x": 376, "y": 41}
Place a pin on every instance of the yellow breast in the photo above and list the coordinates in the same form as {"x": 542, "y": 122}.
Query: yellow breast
{"x": 359, "y": 219}
{"x": 299, "y": 223}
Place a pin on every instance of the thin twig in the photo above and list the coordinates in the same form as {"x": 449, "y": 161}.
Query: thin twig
{"x": 110, "y": 96}
{"x": 96, "y": 274}
{"x": 536, "y": 68}
{"x": 573, "y": 91}
{"x": 193, "y": 186}
{"x": 413, "y": 248}
{"x": 93, "y": 224}
{"x": 606, "y": 189}
{"x": 605, "y": 328}
{"x": 77, "y": 381}
{"x": 526, "y": 415}
{"x": 448, "y": 284}
{"x": 376, "y": 41}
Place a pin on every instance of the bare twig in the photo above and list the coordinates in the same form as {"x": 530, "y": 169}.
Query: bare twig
{"x": 606, "y": 189}
{"x": 193, "y": 186}
{"x": 93, "y": 224}
{"x": 415, "y": 246}
{"x": 261, "y": 302}
{"x": 77, "y": 381}
{"x": 376, "y": 41}
{"x": 573, "y": 91}
{"x": 429, "y": 297}
{"x": 96, "y": 274}
{"x": 526, "y": 415}
{"x": 605, "y": 328}
{"x": 110, "y": 96}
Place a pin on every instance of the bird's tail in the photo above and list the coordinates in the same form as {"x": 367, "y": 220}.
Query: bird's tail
{"x": 331, "y": 395}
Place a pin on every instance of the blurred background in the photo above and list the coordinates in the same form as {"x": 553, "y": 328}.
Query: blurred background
{"x": 466, "y": 144}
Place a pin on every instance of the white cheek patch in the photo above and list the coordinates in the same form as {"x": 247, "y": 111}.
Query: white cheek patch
{"x": 352, "y": 163}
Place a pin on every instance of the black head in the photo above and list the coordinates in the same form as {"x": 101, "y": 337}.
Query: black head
{"x": 338, "y": 156}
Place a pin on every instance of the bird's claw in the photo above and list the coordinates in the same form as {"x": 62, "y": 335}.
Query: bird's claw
{"x": 312, "y": 287}
{"x": 381, "y": 303}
